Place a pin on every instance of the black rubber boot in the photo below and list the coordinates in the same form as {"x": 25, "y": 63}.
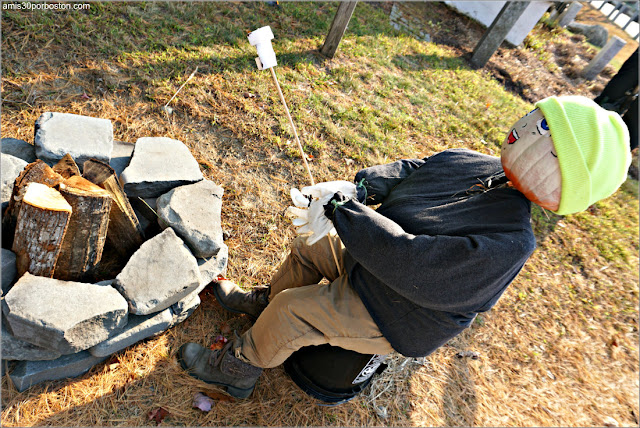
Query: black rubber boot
{"x": 234, "y": 299}
{"x": 219, "y": 367}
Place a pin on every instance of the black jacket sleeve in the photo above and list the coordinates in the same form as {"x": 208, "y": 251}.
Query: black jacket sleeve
{"x": 446, "y": 273}
{"x": 379, "y": 180}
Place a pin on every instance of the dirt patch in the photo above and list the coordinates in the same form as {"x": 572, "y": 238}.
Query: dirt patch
{"x": 547, "y": 63}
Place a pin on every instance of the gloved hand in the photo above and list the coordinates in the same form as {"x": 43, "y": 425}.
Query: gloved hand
{"x": 333, "y": 204}
{"x": 308, "y": 212}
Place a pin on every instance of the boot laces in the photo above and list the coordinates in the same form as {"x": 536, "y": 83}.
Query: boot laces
{"x": 258, "y": 294}
{"x": 215, "y": 358}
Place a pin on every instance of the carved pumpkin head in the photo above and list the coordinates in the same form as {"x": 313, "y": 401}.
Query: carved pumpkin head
{"x": 567, "y": 154}
{"x": 529, "y": 160}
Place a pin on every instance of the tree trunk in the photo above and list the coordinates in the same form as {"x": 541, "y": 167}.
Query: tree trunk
{"x": 125, "y": 234}
{"x": 35, "y": 172}
{"x": 40, "y": 229}
{"x": 67, "y": 167}
{"x": 87, "y": 231}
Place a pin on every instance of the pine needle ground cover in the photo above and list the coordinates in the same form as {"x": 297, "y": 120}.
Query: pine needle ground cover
{"x": 559, "y": 349}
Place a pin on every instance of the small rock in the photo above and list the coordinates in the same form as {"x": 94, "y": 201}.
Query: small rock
{"x": 193, "y": 212}
{"x": 29, "y": 373}
{"x": 83, "y": 137}
{"x": 159, "y": 274}
{"x": 64, "y": 316}
{"x": 214, "y": 266}
{"x": 19, "y": 148}
{"x": 157, "y": 166}
{"x": 9, "y": 270}
{"x": 11, "y": 168}
{"x": 595, "y": 34}
{"x": 137, "y": 329}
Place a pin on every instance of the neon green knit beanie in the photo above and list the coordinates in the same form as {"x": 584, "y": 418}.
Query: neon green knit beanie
{"x": 592, "y": 145}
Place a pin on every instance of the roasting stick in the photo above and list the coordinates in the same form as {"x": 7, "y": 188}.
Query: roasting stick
{"x": 295, "y": 133}
{"x": 261, "y": 39}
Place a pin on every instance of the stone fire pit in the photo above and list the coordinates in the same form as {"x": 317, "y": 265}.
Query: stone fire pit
{"x": 55, "y": 328}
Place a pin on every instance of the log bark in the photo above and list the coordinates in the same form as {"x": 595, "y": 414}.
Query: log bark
{"x": 35, "y": 172}
{"x": 40, "y": 229}
{"x": 67, "y": 167}
{"x": 125, "y": 234}
{"x": 86, "y": 234}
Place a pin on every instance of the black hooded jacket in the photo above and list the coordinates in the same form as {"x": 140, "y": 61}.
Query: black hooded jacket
{"x": 442, "y": 246}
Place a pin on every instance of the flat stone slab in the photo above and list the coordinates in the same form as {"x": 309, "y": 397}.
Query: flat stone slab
{"x": 64, "y": 316}
{"x": 83, "y": 137}
{"x": 121, "y": 156}
{"x": 158, "y": 165}
{"x": 212, "y": 267}
{"x": 29, "y": 373}
{"x": 19, "y": 148}
{"x": 138, "y": 328}
{"x": 194, "y": 213}
{"x": 10, "y": 169}
{"x": 9, "y": 270}
{"x": 16, "y": 349}
{"x": 162, "y": 272}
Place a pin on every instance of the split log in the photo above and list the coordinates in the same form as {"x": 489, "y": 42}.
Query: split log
{"x": 84, "y": 241}
{"x": 125, "y": 234}
{"x": 67, "y": 167}
{"x": 40, "y": 229}
{"x": 35, "y": 172}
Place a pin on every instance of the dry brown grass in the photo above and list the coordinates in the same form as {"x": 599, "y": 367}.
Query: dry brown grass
{"x": 559, "y": 349}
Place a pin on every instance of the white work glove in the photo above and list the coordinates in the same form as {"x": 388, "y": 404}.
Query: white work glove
{"x": 308, "y": 213}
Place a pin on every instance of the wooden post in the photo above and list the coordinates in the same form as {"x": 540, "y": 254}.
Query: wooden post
{"x": 568, "y": 14}
{"x": 496, "y": 33}
{"x": 606, "y": 54}
{"x": 338, "y": 28}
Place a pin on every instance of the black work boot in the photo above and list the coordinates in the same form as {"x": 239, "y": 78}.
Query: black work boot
{"x": 219, "y": 367}
{"x": 234, "y": 299}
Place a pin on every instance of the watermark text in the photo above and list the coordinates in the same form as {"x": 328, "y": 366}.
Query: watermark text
{"x": 28, "y": 5}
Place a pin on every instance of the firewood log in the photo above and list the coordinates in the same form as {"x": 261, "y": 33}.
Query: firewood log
{"x": 35, "y": 172}
{"x": 67, "y": 167}
{"x": 125, "y": 234}
{"x": 40, "y": 229}
{"x": 84, "y": 241}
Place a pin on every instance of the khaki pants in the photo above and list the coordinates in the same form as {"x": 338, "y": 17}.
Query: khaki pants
{"x": 302, "y": 312}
